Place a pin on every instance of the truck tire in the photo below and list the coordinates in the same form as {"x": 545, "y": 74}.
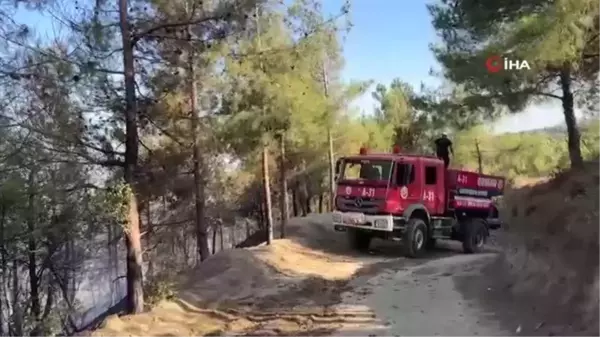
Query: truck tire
{"x": 359, "y": 240}
{"x": 475, "y": 235}
{"x": 415, "y": 238}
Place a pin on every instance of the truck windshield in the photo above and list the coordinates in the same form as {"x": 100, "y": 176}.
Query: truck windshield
{"x": 367, "y": 170}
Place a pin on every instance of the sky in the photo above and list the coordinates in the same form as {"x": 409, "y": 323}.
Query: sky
{"x": 389, "y": 39}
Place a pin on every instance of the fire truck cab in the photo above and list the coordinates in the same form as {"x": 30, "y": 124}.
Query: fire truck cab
{"x": 413, "y": 199}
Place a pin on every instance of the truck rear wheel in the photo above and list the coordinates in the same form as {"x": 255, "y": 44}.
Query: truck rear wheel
{"x": 359, "y": 240}
{"x": 415, "y": 238}
{"x": 475, "y": 235}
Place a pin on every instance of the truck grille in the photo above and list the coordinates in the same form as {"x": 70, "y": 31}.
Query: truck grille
{"x": 358, "y": 204}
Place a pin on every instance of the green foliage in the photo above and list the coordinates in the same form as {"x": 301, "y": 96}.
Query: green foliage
{"x": 257, "y": 78}
{"x": 558, "y": 39}
{"x": 115, "y": 201}
{"x": 289, "y": 85}
{"x": 526, "y": 154}
{"x": 590, "y": 139}
{"x": 401, "y": 113}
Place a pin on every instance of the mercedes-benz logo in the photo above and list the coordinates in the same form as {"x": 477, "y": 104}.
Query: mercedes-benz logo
{"x": 358, "y": 202}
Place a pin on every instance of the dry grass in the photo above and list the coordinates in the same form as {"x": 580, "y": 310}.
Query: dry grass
{"x": 520, "y": 182}
{"x": 552, "y": 241}
{"x": 170, "y": 319}
{"x": 281, "y": 289}
{"x": 291, "y": 258}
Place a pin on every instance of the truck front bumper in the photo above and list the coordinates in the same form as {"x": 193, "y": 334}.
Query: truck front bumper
{"x": 344, "y": 220}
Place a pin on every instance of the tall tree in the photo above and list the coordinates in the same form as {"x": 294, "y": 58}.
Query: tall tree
{"x": 135, "y": 292}
{"x": 195, "y": 49}
{"x": 325, "y": 67}
{"x": 396, "y": 113}
{"x": 558, "y": 39}
{"x": 274, "y": 89}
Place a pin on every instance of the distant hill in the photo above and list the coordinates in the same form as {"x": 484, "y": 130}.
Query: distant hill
{"x": 559, "y": 130}
{"x": 556, "y": 131}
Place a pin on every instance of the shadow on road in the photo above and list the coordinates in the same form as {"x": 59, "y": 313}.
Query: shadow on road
{"x": 524, "y": 314}
{"x": 316, "y": 291}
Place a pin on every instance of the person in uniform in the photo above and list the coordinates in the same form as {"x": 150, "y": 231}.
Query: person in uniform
{"x": 443, "y": 149}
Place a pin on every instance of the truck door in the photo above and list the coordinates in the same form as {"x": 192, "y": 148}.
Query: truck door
{"x": 433, "y": 189}
{"x": 405, "y": 181}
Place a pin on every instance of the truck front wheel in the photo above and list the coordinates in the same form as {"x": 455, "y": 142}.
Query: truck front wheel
{"x": 474, "y": 236}
{"x": 415, "y": 238}
{"x": 359, "y": 240}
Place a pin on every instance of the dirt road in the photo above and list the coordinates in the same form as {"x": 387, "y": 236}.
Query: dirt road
{"x": 450, "y": 293}
{"x": 425, "y": 300}
{"x": 313, "y": 284}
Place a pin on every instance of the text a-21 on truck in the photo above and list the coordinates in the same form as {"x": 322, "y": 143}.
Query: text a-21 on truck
{"x": 414, "y": 199}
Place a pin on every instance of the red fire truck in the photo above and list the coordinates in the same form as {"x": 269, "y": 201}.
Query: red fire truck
{"x": 414, "y": 199}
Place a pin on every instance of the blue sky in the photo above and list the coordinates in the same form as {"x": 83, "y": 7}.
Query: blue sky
{"x": 389, "y": 39}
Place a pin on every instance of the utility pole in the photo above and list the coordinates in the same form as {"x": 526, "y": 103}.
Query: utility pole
{"x": 329, "y": 139}
{"x": 479, "y": 159}
{"x": 265, "y": 149}
{"x": 284, "y": 187}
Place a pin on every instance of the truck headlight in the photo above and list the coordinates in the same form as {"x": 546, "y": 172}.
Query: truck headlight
{"x": 381, "y": 223}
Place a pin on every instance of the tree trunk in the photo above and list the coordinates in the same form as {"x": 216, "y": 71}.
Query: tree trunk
{"x": 267, "y": 193}
{"x": 135, "y": 277}
{"x": 174, "y": 244}
{"x": 309, "y": 195}
{"x": 185, "y": 248}
{"x": 248, "y": 232}
{"x": 199, "y": 178}
{"x": 67, "y": 274}
{"x": 112, "y": 262}
{"x": 135, "y": 291}
{"x": 3, "y": 269}
{"x": 222, "y": 239}
{"x": 71, "y": 274}
{"x": 331, "y": 170}
{"x": 265, "y": 152}
{"x": 149, "y": 235}
{"x": 321, "y": 201}
{"x": 233, "y": 238}
{"x": 479, "y": 159}
{"x": 16, "y": 326}
{"x": 573, "y": 135}
{"x": 295, "y": 201}
{"x": 330, "y": 154}
{"x": 283, "y": 202}
{"x": 214, "y": 240}
{"x": 47, "y": 307}
{"x": 34, "y": 291}
{"x": 305, "y": 200}
{"x": 262, "y": 212}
